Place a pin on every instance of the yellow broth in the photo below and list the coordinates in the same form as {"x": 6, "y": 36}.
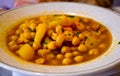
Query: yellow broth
{"x": 59, "y": 39}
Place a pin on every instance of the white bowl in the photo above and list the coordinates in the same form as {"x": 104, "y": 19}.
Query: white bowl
{"x": 106, "y": 61}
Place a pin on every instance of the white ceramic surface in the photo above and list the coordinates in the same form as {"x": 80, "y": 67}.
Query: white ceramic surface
{"x": 108, "y": 60}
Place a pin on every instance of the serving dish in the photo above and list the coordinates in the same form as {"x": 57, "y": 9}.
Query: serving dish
{"x": 108, "y": 60}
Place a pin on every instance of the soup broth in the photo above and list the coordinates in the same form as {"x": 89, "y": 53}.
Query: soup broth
{"x": 59, "y": 39}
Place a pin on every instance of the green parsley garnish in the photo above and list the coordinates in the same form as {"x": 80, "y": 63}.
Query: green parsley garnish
{"x": 45, "y": 42}
{"x": 71, "y": 16}
{"x": 118, "y": 42}
{"x": 77, "y": 33}
{"x": 31, "y": 30}
{"x": 55, "y": 15}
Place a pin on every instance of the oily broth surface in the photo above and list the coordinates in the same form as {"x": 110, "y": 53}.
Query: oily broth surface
{"x": 67, "y": 40}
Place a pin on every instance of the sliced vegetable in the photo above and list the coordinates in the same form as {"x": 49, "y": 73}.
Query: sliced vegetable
{"x": 26, "y": 52}
{"x": 41, "y": 30}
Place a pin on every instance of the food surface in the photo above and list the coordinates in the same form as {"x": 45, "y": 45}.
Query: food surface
{"x": 59, "y": 39}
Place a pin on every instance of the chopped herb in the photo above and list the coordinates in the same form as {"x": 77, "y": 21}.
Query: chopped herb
{"x": 91, "y": 43}
{"x": 118, "y": 42}
{"x": 71, "y": 16}
{"x": 86, "y": 37}
{"x": 31, "y": 30}
{"x": 97, "y": 31}
{"x": 30, "y": 43}
{"x": 69, "y": 34}
{"x": 77, "y": 33}
{"x": 55, "y": 15}
{"x": 45, "y": 42}
{"x": 58, "y": 18}
{"x": 62, "y": 30}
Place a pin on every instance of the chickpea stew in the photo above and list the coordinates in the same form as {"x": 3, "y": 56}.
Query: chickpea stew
{"x": 59, "y": 39}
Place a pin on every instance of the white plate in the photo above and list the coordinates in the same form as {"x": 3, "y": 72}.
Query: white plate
{"x": 108, "y": 60}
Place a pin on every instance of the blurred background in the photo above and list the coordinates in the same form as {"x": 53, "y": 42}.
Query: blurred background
{"x": 9, "y": 4}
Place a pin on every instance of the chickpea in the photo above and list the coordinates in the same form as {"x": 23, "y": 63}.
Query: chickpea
{"x": 32, "y": 21}
{"x": 95, "y": 26}
{"x": 93, "y": 52}
{"x": 88, "y": 27}
{"x": 54, "y": 36}
{"x": 50, "y": 56}
{"x": 32, "y": 34}
{"x": 67, "y": 29}
{"x": 11, "y": 43}
{"x": 68, "y": 35}
{"x": 80, "y": 26}
{"x": 43, "y": 52}
{"x": 26, "y": 40}
{"x": 32, "y": 26}
{"x": 14, "y": 37}
{"x": 62, "y": 20}
{"x": 81, "y": 36}
{"x": 52, "y": 45}
{"x": 52, "y": 24}
{"x": 14, "y": 47}
{"x": 82, "y": 48}
{"x": 44, "y": 46}
{"x": 39, "y": 61}
{"x": 27, "y": 35}
{"x": 49, "y": 33}
{"x": 75, "y": 41}
{"x": 75, "y": 53}
{"x": 22, "y": 25}
{"x": 68, "y": 55}
{"x": 70, "y": 21}
{"x": 54, "y": 62}
{"x": 43, "y": 19}
{"x": 78, "y": 58}
{"x": 76, "y": 18}
{"x": 73, "y": 48}
{"x": 102, "y": 29}
{"x": 59, "y": 40}
{"x": 26, "y": 30}
{"x": 21, "y": 38}
{"x": 102, "y": 36}
{"x": 65, "y": 49}
{"x": 83, "y": 42}
{"x": 67, "y": 61}
{"x": 26, "y": 21}
{"x": 102, "y": 46}
{"x": 19, "y": 31}
{"x": 86, "y": 20}
{"x": 59, "y": 56}
{"x": 58, "y": 29}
